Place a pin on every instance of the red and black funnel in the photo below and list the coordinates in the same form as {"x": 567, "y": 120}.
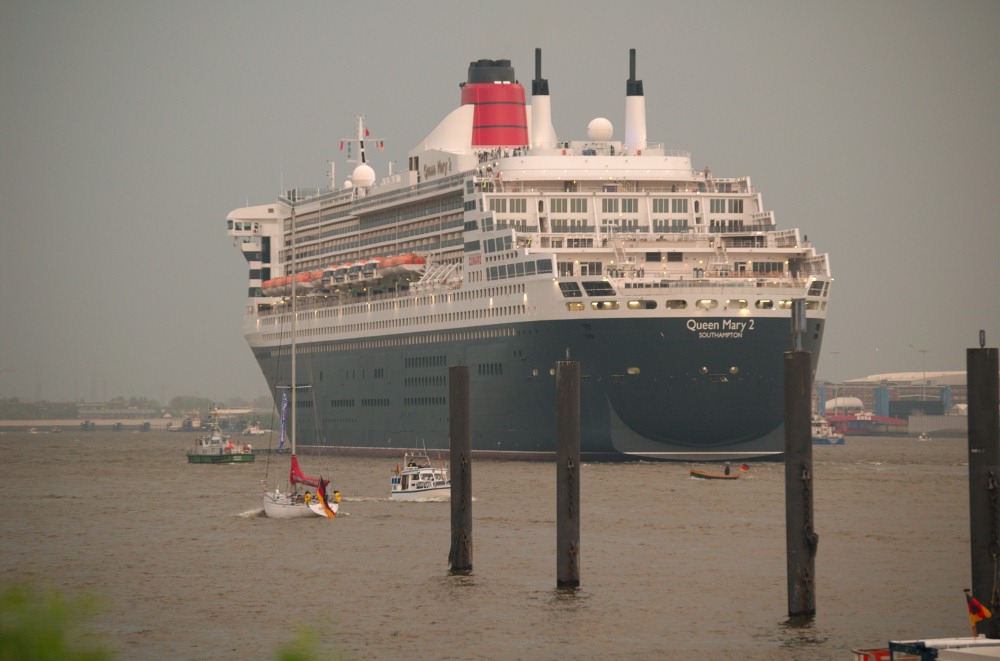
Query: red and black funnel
{"x": 499, "y": 119}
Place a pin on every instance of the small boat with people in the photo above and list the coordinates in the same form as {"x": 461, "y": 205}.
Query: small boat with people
{"x": 418, "y": 479}
{"x": 215, "y": 447}
{"x": 726, "y": 474}
{"x": 824, "y": 434}
{"x": 706, "y": 475}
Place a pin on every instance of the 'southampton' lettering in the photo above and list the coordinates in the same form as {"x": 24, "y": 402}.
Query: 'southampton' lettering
{"x": 725, "y": 329}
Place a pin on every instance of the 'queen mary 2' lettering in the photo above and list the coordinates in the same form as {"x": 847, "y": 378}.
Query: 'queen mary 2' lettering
{"x": 725, "y": 329}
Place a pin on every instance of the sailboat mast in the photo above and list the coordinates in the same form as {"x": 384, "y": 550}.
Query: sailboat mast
{"x": 294, "y": 324}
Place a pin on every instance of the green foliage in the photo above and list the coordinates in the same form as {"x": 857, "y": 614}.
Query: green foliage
{"x": 189, "y": 404}
{"x": 44, "y": 626}
{"x": 305, "y": 648}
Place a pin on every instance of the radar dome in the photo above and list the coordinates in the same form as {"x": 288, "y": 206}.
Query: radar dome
{"x": 363, "y": 175}
{"x": 348, "y": 183}
{"x": 599, "y": 130}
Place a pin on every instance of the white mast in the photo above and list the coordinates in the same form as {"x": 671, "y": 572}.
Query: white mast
{"x": 295, "y": 386}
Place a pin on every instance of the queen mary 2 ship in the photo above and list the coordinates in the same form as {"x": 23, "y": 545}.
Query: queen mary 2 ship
{"x": 507, "y": 249}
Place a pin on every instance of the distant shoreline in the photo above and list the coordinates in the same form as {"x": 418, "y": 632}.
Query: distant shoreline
{"x": 46, "y": 426}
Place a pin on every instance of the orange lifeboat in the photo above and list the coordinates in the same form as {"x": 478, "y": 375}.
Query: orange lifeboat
{"x": 316, "y": 279}
{"x": 402, "y": 266}
{"x": 284, "y": 285}
{"x": 303, "y": 281}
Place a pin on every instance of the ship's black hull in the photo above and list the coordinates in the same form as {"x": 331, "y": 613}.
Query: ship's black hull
{"x": 650, "y": 388}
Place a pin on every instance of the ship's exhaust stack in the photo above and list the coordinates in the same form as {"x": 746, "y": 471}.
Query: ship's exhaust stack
{"x": 543, "y": 134}
{"x": 635, "y": 110}
{"x": 500, "y": 119}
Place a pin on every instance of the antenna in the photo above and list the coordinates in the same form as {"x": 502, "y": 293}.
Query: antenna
{"x": 363, "y": 135}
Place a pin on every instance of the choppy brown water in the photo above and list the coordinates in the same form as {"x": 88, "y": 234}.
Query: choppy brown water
{"x": 671, "y": 567}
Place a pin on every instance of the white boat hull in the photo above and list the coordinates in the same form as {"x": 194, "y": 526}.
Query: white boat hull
{"x": 281, "y": 506}
{"x": 438, "y": 493}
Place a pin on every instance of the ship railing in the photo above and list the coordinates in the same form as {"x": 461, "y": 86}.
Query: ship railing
{"x": 740, "y": 228}
{"x": 661, "y": 280}
{"x": 378, "y": 199}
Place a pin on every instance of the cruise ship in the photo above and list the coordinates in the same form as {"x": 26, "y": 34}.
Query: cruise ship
{"x": 507, "y": 249}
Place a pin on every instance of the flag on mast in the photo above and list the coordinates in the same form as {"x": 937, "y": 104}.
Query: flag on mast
{"x": 977, "y": 611}
{"x": 284, "y": 407}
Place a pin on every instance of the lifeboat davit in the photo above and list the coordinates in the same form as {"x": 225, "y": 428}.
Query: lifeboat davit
{"x": 340, "y": 272}
{"x": 370, "y": 270}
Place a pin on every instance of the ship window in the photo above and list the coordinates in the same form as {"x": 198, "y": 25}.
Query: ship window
{"x": 738, "y": 303}
{"x": 676, "y": 304}
{"x": 764, "y": 304}
{"x": 642, "y": 305}
{"x": 544, "y": 265}
{"x": 706, "y": 304}
{"x": 570, "y": 290}
{"x": 812, "y": 305}
{"x": 598, "y": 288}
{"x": 816, "y": 288}
{"x": 675, "y": 257}
{"x": 575, "y": 306}
{"x": 604, "y": 305}
{"x": 784, "y": 305}
{"x": 632, "y": 370}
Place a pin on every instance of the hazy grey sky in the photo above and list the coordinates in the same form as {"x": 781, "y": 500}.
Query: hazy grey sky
{"x": 129, "y": 129}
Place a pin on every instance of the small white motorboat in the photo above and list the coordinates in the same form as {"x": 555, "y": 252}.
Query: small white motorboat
{"x": 418, "y": 479}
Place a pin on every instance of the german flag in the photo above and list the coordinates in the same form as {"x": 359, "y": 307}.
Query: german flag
{"x": 321, "y": 494}
{"x": 977, "y": 611}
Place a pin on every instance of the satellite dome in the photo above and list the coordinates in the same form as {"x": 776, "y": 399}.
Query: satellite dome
{"x": 363, "y": 175}
{"x": 599, "y": 130}
{"x": 348, "y": 183}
